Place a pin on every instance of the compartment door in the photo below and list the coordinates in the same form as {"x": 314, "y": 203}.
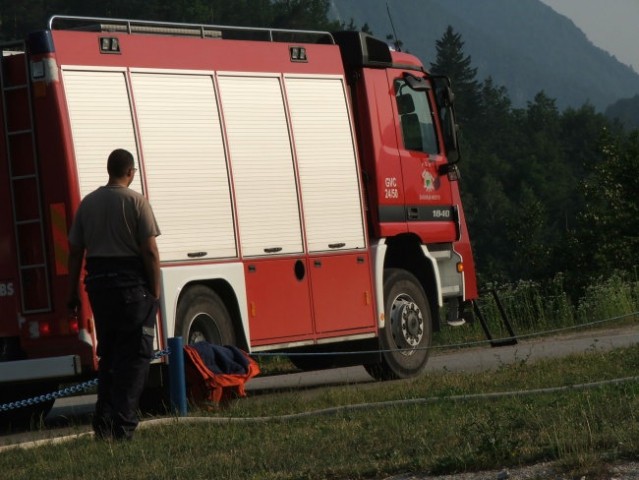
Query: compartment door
{"x": 333, "y": 216}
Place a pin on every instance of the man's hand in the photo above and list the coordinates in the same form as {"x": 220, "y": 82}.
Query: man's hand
{"x": 151, "y": 258}
{"x": 76, "y": 255}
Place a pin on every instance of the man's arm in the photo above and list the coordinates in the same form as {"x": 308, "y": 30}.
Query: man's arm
{"x": 76, "y": 255}
{"x": 151, "y": 259}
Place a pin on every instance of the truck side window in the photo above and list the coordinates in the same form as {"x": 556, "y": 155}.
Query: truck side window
{"x": 416, "y": 118}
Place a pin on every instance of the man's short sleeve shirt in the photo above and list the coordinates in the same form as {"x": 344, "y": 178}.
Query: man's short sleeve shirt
{"x": 113, "y": 221}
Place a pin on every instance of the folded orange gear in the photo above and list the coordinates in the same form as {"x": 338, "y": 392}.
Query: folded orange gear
{"x": 208, "y": 389}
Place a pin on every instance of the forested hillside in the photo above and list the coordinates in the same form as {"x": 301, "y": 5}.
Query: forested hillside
{"x": 626, "y": 111}
{"x": 523, "y": 45}
{"x": 550, "y": 192}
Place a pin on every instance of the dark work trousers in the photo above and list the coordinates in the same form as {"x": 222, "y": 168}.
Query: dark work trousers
{"x": 125, "y": 320}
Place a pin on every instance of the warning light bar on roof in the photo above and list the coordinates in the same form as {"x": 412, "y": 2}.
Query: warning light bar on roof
{"x": 298, "y": 54}
{"x": 109, "y": 45}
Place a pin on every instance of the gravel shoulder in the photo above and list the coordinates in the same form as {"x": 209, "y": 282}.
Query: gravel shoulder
{"x": 540, "y": 471}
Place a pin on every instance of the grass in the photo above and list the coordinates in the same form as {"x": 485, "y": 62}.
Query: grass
{"x": 533, "y": 308}
{"x": 420, "y": 425}
{"x": 580, "y": 430}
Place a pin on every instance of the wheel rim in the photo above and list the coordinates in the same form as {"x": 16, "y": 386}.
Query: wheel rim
{"x": 203, "y": 329}
{"x": 407, "y": 324}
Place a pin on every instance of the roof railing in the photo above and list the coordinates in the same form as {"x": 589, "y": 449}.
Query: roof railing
{"x": 117, "y": 25}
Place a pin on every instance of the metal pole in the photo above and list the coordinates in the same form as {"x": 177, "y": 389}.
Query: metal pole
{"x": 177, "y": 380}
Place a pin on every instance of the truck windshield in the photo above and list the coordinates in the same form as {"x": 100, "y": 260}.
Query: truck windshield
{"x": 416, "y": 118}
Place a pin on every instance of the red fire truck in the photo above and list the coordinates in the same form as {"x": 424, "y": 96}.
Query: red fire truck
{"x": 305, "y": 184}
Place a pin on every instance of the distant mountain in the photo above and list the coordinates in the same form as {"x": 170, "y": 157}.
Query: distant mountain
{"x": 523, "y": 44}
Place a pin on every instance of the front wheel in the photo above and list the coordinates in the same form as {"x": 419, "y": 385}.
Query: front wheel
{"x": 314, "y": 362}
{"x": 203, "y": 317}
{"x": 406, "y": 336}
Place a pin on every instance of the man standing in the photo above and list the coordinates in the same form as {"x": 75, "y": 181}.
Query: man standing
{"x": 116, "y": 229}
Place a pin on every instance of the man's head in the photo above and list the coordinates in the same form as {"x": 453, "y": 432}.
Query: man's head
{"x": 120, "y": 165}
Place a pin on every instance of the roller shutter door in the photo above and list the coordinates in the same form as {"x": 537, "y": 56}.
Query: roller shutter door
{"x": 185, "y": 162}
{"x": 327, "y": 163}
{"x": 262, "y": 164}
{"x": 101, "y": 121}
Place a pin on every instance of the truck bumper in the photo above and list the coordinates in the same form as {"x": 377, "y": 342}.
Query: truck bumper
{"x": 40, "y": 369}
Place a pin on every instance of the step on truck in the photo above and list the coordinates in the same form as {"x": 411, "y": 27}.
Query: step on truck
{"x": 305, "y": 184}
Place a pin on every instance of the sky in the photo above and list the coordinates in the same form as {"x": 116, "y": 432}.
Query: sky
{"x": 612, "y": 25}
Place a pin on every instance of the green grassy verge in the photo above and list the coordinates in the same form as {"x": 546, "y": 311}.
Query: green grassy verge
{"x": 580, "y": 430}
{"x": 533, "y": 308}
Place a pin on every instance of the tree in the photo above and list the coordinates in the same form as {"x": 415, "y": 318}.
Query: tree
{"x": 303, "y": 14}
{"x": 396, "y": 42}
{"x": 626, "y": 111}
{"x": 17, "y": 19}
{"x": 452, "y": 62}
{"x": 487, "y": 210}
{"x": 527, "y": 234}
{"x": 495, "y": 108}
{"x": 351, "y": 26}
{"x": 608, "y": 235}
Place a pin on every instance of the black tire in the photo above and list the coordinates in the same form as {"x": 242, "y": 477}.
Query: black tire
{"x": 407, "y": 333}
{"x": 23, "y": 417}
{"x": 308, "y": 363}
{"x": 203, "y": 317}
{"x": 10, "y": 349}
{"x": 28, "y": 416}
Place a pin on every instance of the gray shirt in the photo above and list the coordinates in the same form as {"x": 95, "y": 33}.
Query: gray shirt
{"x": 113, "y": 221}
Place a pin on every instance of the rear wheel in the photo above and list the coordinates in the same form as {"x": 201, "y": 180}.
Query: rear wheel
{"x": 407, "y": 333}
{"x": 29, "y": 415}
{"x": 203, "y": 317}
{"x": 10, "y": 349}
{"x": 22, "y": 417}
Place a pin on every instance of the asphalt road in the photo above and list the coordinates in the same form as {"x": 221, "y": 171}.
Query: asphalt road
{"x": 468, "y": 360}
{"x": 77, "y": 410}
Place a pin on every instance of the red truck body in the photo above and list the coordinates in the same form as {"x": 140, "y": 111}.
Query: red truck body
{"x": 304, "y": 184}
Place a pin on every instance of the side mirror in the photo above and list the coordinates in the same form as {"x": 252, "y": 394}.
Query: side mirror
{"x": 449, "y": 97}
{"x": 444, "y": 97}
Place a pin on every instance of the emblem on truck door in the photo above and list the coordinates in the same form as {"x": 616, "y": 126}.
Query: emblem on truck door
{"x": 429, "y": 181}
